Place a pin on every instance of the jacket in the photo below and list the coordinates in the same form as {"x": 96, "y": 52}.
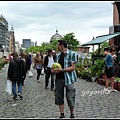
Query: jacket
{"x": 16, "y": 70}
{"x": 46, "y": 61}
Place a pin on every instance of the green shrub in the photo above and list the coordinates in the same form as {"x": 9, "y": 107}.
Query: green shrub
{"x": 2, "y": 63}
{"x": 117, "y": 79}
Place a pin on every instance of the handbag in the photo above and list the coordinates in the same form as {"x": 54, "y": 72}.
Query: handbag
{"x": 42, "y": 71}
{"x": 30, "y": 74}
{"x": 8, "y": 87}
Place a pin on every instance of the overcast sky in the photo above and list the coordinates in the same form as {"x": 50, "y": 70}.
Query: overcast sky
{"x": 38, "y": 20}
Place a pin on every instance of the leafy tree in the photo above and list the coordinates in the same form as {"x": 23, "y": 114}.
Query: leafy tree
{"x": 71, "y": 41}
{"x": 54, "y": 44}
{"x": 70, "y": 38}
{"x": 21, "y": 50}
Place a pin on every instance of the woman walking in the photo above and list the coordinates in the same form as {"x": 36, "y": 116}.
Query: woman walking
{"x": 38, "y": 64}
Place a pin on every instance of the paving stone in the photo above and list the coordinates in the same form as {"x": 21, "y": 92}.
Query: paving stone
{"x": 39, "y": 103}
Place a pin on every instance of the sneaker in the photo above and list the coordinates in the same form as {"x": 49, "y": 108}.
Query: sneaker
{"x": 72, "y": 116}
{"x": 62, "y": 116}
{"x": 113, "y": 90}
{"x": 20, "y": 95}
{"x": 15, "y": 98}
{"x": 52, "y": 89}
{"x": 38, "y": 81}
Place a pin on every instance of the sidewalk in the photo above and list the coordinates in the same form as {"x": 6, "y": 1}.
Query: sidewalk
{"x": 91, "y": 100}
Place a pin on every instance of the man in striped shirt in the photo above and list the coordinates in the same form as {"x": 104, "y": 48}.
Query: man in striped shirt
{"x": 65, "y": 77}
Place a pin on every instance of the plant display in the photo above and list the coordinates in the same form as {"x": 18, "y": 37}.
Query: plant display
{"x": 85, "y": 69}
{"x": 117, "y": 79}
{"x": 98, "y": 68}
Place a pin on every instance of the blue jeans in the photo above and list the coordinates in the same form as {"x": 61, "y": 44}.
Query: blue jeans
{"x": 14, "y": 88}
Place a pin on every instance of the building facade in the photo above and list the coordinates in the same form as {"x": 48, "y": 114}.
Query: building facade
{"x": 32, "y": 44}
{"x": 17, "y": 47}
{"x": 12, "y": 39}
{"x": 26, "y": 43}
{"x": 4, "y": 34}
{"x": 83, "y": 49}
{"x": 116, "y": 25}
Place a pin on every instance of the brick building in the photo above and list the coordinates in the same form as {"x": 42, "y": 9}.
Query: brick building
{"x": 116, "y": 25}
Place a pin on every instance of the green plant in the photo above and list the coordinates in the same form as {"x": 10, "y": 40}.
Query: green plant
{"x": 2, "y": 63}
{"x": 117, "y": 79}
{"x": 86, "y": 73}
{"x": 98, "y": 68}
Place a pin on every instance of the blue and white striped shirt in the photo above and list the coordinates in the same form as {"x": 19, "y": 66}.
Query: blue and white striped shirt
{"x": 70, "y": 57}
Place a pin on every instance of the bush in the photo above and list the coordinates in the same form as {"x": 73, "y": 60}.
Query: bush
{"x": 2, "y": 63}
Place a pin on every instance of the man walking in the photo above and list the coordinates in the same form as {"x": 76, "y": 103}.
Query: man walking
{"x": 65, "y": 78}
{"x": 49, "y": 60}
{"x": 16, "y": 72}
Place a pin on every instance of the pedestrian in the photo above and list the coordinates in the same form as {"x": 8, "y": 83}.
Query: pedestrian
{"x": 109, "y": 69}
{"x": 65, "y": 78}
{"x": 23, "y": 57}
{"x": 28, "y": 61}
{"x": 116, "y": 66}
{"x": 54, "y": 52}
{"x": 48, "y": 61}
{"x": 15, "y": 73}
{"x": 10, "y": 56}
{"x": 38, "y": 64}
{"x": 119, "y": 62}
{"x": 41, "y": 54}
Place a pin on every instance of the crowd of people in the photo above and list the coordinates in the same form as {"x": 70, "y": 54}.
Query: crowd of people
{"x": 61, "y": 78}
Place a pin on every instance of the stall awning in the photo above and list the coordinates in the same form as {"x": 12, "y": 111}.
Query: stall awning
{"x": 101, "y": 39}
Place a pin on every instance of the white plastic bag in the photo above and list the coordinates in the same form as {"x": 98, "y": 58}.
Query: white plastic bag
{"x": 8, "y": 87}
{"x": 42, "y": 72}
{"x": 30, "y": 74}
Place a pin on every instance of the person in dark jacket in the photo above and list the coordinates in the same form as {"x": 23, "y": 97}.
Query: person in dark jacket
{"x": 28, "y": 61}
{"x": 48, "y": 61}
{"x": 15, "y": 73}
{"x": 23, "y": 57}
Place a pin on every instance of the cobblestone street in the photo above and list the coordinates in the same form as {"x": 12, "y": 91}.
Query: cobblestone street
{"x": 38, "y": 102}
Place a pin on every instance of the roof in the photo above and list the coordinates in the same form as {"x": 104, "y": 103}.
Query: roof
{"x": 56, "y": 36}
{"x": 101, "y": 39}
{"x": 82, "y": 46}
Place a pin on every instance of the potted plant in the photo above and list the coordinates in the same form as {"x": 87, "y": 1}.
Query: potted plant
{"x": 117, "y": 83}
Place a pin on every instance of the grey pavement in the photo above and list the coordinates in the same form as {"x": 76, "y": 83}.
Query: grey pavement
{"x": 92, "y": 101}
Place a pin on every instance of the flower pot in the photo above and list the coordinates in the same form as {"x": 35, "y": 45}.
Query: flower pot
{"x": 117, "y": 86}
{"x": 99, "y": 81}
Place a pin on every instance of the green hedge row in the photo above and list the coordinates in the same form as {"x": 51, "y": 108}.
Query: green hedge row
{"x": 2, "y": 63}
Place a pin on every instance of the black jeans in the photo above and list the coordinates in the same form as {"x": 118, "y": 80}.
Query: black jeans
{"x": 38, "y": 73}
{"x": 47, "y": 76}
